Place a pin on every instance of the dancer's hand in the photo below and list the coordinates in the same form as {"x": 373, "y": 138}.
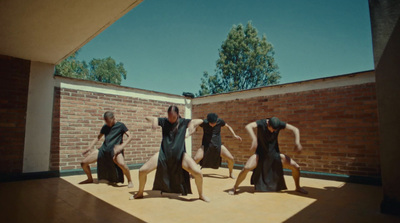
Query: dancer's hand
{"x": 253, "y": 145}
{"x": 298, "y": 148}
{"x": 238, "y": 137}
{"x": 117, "y": 150}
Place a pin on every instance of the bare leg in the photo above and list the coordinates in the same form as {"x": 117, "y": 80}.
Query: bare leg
{"x": 289, "y": 163}
{"x": 149, "y": 166}
{"x": 228, "y": 156}
{"x": 120, "y": 161}
{"x": 199, "y": 155}
{"x": 91, "y": 158}
{"x": 190, "y": 165}
{"x": 251, "y": 164}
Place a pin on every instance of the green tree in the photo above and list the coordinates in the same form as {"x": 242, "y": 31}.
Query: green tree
{"x": 104, "y": 70}
{"x": 71, "y": 67}
{"x": 107, "y": 70}
{"x": 245, "y": 61}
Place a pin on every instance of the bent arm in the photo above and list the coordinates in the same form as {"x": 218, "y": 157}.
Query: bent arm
{"x": 249, "y": 128}
{"x": 233, "y": 132}
{"x": 153, "y": 121}
{"x": 119, "y": 148}
{"x": 99, "y": 136}
{"x": 193, "y": 124}
{"x": 94, "y": 142}
{"x": 128, "y": 139}
{"x": 295, "y": 131}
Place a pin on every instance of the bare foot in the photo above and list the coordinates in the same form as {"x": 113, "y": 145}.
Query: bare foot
{"x": 232, "y": 176}
{"x": 301, "y": 190}
{"x": 232, "y": 191}
{"x": 88, "y": 181}
{"x": 136, "y": 196}
{"x": 130, "y": 184}
{"x": 204, "y": 198}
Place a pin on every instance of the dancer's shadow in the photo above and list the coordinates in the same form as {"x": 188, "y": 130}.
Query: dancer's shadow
{"x": 312, "y": 192}
{"x": 96, "y": 181}
{"x": 217, "y": 176}
{"x": 242, "y": 189}
{"x": 157, "y": 194}
{"x": 250, "y": 189}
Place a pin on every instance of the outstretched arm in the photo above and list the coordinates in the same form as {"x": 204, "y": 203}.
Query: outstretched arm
{"x": 118, "y": 148}
{"x": 233, "y": 132}
{"x": 193, "y": 124}
{"x": 249, "y": 128}
{"x": 296, "y": 133}
{"x": 92, "y": 144}
{"x": 153, "y": 121}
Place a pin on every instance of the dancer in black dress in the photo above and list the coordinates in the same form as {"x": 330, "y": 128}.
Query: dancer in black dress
{"x": 210, "y": 153}
{"x": 267, "y": 163}
{"x": 110, "y": 156}
{"x": 172, "y": 162}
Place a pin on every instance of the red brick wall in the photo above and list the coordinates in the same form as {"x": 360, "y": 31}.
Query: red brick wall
{"x": 13, "y": 104}
{"x": 78, "y": 119}
{"x": 339, "y": 127}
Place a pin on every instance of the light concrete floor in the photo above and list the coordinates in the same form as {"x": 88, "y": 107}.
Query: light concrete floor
{"x": 64, "y": 200}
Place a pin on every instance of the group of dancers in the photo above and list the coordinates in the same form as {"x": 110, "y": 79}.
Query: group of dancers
{"x": 174, "y": 166}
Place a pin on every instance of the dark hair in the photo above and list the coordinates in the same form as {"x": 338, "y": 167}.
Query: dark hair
{"x": 173, "y": 108}
{"x": 274, "y": 122}
{"x": 108, "y": 114}
{"x": 212, "y": 117}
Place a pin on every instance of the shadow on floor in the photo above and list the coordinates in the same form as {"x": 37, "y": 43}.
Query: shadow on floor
{"x": 340, "y": 204}
{"x": 157, "y": 194}
{"x": 217, "y": 176}
{"x": 347, "y": 203}
{"x": 250, "y": 189}
{"x": 55, "y": 200}
{"x": 242, "y": 189}
{"x": 96, "y": 181}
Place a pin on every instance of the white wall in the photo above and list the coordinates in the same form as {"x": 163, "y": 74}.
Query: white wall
{"x": 97, "y": 87}
{"x": 39, "y": 118}
{"x": 188, "y": 115}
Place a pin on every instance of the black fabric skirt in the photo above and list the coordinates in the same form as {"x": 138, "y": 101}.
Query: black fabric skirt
{"x": 106, "y": 168}
{"x": 268, "y": 175}
{"x": 170, "y": 176}
{"x": 211, "y": 158}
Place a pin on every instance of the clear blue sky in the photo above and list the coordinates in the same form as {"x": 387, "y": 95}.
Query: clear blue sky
{"x": 167, "y": 45}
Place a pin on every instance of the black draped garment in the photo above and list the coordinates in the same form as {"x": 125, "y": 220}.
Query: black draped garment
{"x": 106, "y": 168}
{"x": 212, "y": 144}
{"x": 268, "y": 175}
{"x": 170, "y": 176}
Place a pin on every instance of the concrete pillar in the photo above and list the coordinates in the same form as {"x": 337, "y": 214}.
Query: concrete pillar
{"x": 386, "y": 41}
{"x": 39, "y": 118}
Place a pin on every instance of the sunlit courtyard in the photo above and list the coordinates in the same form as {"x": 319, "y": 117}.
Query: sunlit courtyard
{"x": 64, "y": 200}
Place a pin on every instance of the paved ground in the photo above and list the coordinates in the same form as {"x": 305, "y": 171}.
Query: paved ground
{"x": 64, "y": 200}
